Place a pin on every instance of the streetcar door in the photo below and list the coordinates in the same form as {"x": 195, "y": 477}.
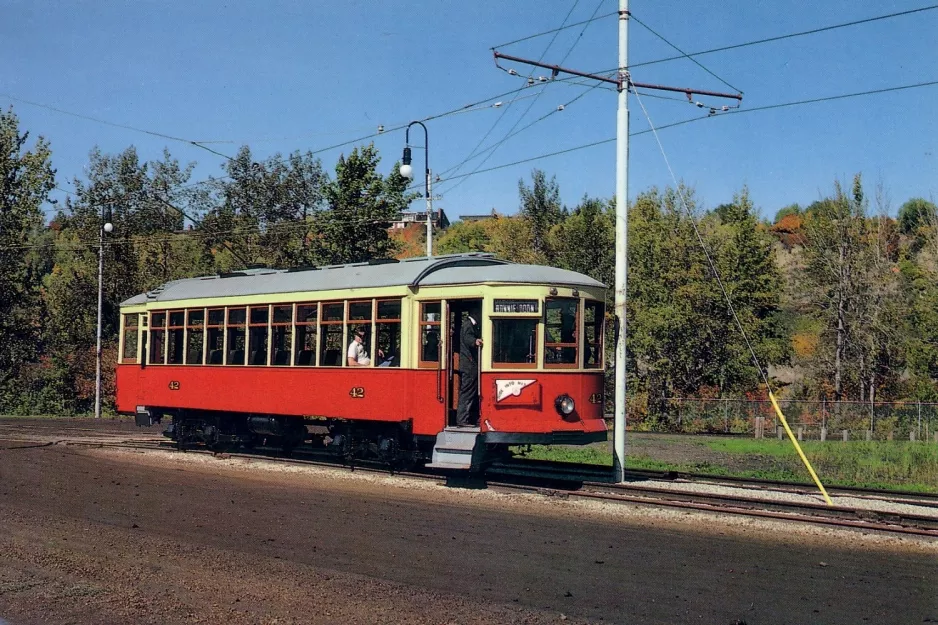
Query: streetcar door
{"x": 457, "y": 315}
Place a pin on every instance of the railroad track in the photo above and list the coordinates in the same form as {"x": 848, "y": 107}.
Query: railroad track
{"x": 919, "y": 519}
{"x": 600, "y": 474}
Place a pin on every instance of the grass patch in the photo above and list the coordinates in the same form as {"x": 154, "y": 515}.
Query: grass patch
{"x": 895, "y": 465}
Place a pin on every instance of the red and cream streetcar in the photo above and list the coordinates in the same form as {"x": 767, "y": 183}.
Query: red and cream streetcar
{"x": 261, "y": 354}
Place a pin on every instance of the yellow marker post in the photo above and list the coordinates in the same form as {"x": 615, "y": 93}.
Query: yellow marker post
{"x": 804, "y": 458}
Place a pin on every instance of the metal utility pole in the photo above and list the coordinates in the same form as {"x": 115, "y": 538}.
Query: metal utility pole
{"x": 104, "y": 227}
{"x": 623, "y": 83}
{"x": 429, "y": 215}
{"x": 622, "y": 241}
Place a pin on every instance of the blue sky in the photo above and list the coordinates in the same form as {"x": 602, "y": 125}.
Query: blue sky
{"x": 285, "y": 76}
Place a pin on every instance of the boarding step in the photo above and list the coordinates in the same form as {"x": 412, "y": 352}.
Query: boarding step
{"x": 458, "y": 448}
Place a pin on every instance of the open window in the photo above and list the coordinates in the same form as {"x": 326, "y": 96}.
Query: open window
{"x": 332, "y": 352}
{"x": 195, "y": 335}
{"x": 157, "y": 340}
{"x": 175, "y": 345}
{"x": 307, "y": 316}
{"x": 281, "y": 335}
{"x": 593, "y": 322}
{"x": 359, "y": 320}
{"x": 388, "y": 330}
{"x": 429, "y": 351}
{"x": 236, "y": 335}
{"x": 215, "y": 333}
{"x": 131, "y": 325}
{"x": 258, "y": 319}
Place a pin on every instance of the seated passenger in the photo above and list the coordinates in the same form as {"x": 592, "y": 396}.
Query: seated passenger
{"x": 357, "y": 355}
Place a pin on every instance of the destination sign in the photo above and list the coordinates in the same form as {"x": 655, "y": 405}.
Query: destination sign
{"x": 516, "y": 306}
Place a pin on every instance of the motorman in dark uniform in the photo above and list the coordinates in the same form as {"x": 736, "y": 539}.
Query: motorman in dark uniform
{"x": 467, "y": 410}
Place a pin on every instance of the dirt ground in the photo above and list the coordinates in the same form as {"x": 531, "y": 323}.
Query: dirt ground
{"x": 107, "y": 536}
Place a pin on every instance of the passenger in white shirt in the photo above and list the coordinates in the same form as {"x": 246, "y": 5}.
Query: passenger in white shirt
{"x": 357, "y": 355}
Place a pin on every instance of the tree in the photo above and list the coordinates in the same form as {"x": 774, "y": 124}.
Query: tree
{"x": 585, "y": 241}
{"x": 540, "y": 206}
{"x": 362, "y": 205}
{"x": 265, "y": 213}
{"x": 916, "y": 214}
{"x": 26, "y": 178}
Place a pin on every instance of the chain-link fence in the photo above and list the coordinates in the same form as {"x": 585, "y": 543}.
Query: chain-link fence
{"x": 809, "y": 419}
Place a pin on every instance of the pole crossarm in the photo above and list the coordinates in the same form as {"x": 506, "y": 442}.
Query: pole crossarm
{"x": 619, "y": 82}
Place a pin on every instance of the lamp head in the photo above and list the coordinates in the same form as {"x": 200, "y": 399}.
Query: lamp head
{"x": 109, "y": 227}
{"x": 406, "y": 170}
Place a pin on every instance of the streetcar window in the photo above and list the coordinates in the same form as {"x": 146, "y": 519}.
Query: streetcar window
{"x": 594, "y": 318}
{"x": 332, "y": 352}
{"x": 388, "y": 327}
{"x": 157, "y": 337}
{"x": 430, "y": 337}
{"x": 560, "y": 329}
{"x": 130, "y": 338}
{"x": 235, "y": 336}
{"x": 257, "y": 335}
{"x": 195, "y": 336}
{"x": 175, "y": 337}
{"x": 215, "y": 337}
{"x": 281, "y": 335}
{"x": 514, "y": 342}
{"x": 359, "y": 311}
{"x": 306, "y": 335}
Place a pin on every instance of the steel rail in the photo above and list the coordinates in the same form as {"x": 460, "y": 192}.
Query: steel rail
{"x": 810, "y": 513}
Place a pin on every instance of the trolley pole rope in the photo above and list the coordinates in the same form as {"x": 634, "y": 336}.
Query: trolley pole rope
{"x": 794, "y": 441}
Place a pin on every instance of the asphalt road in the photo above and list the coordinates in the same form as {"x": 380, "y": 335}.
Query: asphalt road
{"x": 99, "y": 536}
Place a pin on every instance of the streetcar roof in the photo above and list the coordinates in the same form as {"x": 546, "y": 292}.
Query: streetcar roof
{"x": 453, "y": 269}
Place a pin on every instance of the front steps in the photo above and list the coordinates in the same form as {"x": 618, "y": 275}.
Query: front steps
{"x": 460, "y": 449}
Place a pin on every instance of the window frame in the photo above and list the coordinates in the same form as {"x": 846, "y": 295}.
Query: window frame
{"x": 429, "y": 364}
{"x": 170, "y": 328}
{"x": 248, "y": 348}
{"x": 537, "y": 343}
{"x": 314, "y": 325}
{"x": 157, "y": 328}
{"x": 224, "y": 335}
{"x": 228, "y": 328}
{"x": 321, "y": 337}
{"x": 130, "y": 360}
{"x": 575, "y": 345}
{"x": 281, "y": 324}
{"x": 190, "y": 327}
{"x": 376, "y": 328}
{"x": 600, "y": 343}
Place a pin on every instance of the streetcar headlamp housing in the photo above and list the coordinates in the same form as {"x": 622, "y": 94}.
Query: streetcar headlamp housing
{"x": 564, "y": 405}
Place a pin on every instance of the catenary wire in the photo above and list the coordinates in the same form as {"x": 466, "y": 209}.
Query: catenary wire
{"x": 802, "y": 33}
{"x": 685, "y": 55}
{"x": 474, "y": 150}
{"x": 696, "y": 119}
{"x": 554, "y": 30}
{"x": 510, "y": 133}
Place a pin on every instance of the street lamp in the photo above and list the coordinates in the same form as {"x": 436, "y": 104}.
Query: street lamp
{"x": 106, "y": 228}
{"x": 408, "y": 172}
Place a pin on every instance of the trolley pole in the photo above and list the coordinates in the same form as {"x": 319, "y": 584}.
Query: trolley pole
{"x": 623, "y": 82}
{"x": 622, "y": 246}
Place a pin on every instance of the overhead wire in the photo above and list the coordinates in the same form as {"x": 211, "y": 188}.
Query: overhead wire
{"x": 802, "y": 33}
{"x": 555, "y": 30}
{"x": 474, "y": 150}
{"x": 701, "y": 118}
{"x": 685, "y": 55}
{"x": 491, "y": 150}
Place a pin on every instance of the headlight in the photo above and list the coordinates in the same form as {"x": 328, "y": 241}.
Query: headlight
{"x": 565, "y": 405}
